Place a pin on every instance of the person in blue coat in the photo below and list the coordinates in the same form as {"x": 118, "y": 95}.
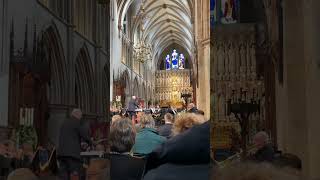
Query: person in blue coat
{"x": 147, "y": 139}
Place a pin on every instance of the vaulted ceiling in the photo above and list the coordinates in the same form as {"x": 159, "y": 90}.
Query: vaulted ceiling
{"x": 166, "y": 22}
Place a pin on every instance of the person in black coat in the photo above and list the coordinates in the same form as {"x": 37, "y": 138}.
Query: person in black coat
{"x": 71, "y": 134}
{"x": 264, "y": 151}
{"x": 132, "y": 106}
{"x": 166, "y": 129}
{"x": 185, "y": 156}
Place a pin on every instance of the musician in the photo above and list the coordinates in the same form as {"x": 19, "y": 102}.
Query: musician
{"x": 264, "y": 151}
{"x": 69, "y": 149}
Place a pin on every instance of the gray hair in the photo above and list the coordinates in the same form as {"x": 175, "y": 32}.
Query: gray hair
{"x": 262, "y": 135}
{"x": 76, "y": 112}
{"x": 122, "y": 136}
{"x": 147, "y": 121}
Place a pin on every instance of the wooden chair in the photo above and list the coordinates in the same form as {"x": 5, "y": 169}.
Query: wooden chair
{"x": 125, "y": 167}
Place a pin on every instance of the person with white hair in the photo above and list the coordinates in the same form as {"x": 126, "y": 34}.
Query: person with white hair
{"x": 147, "y": 139}
{"x": 264, "y": 151}
{"x": 71, "y": 133}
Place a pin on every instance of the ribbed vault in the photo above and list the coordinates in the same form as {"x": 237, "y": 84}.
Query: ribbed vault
{"x": 166, "y": 22}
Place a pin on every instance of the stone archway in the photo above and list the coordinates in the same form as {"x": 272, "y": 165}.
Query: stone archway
{"x": 43, "y": 81}
{"x": 85, "y": 98}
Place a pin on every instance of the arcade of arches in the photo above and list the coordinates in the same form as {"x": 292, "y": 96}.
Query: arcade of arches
{"x": 175, "y": 35}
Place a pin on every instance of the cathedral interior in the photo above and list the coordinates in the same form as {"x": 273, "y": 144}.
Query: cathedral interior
{"x": 250, "y": 66}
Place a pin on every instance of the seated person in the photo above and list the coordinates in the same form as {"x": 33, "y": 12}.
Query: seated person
{"x": 123, "y": 165}
{"x": 45, "y": 161}
{"x": 166, "y": 129}
{"x": 26, "y": 155}
{"x": 147, "y": 138}
{"x": 185, "y": 121}
{"x": 185, "y": 156}
{"x": 264, "y": 151}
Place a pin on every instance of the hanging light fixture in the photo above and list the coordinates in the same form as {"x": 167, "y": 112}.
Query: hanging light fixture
{"x": 142, "y": 50}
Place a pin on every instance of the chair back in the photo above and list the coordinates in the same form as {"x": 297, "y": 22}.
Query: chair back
{"x": 126, "y": 167}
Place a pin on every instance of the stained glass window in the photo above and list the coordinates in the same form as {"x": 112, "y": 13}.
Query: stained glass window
{"x": 175, "y": 61}
{"x": 213, "y": 12}
{"x": 229, "y": 11}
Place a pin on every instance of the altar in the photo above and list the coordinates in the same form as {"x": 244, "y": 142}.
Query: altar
{"x": 171, "y": 84}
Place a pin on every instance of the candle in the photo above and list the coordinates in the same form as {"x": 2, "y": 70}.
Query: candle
{"x": 32, "y": 116}
{"x": 28, "y": 122}
{"x": 26, "y": 117}
{"x": 21, "y": 116}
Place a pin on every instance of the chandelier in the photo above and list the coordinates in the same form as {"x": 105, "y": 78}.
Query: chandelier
{"x": 142, "y": 50}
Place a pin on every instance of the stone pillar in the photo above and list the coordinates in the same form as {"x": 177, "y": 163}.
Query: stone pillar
{"x": 312, "y": 61}
{"x": 202, "y": 32}
{"x": 4, "y": 62}
{"x": 297, "y": 100}
{"x": 70, "y": 55}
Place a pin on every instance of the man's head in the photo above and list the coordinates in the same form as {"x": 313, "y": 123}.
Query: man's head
{"x": 261, "y": 139}
{"x": 122, "y": 136}
{"x": 76, "y": 113}
{"x": 190, "y": 106}
{"x": 168, "y": 118}
{"x": 134, "y": 97}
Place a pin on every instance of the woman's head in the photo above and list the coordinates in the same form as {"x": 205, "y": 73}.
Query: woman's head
{"x": 185, "y": 121}
{"x": 147, "y": 121}
{"x": 122, "y": 136}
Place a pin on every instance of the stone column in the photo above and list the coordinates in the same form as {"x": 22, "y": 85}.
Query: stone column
{"x": 202, "y": 9}
{"x": 4, "y": 62}
{"x": 312, "y": 66}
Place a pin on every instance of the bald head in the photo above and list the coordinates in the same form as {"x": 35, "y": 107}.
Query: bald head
{"x": 134, "y": 97}
{"x": 76, "y": 113}
{"x": 261, "y": 139}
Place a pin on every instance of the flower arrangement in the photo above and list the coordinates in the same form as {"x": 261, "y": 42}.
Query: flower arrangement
{"x": 26, "y": 134}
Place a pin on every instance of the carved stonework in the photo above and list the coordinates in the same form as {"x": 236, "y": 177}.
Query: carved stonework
{"x": 170, "y": 85}
{"x": 235, "y": 72}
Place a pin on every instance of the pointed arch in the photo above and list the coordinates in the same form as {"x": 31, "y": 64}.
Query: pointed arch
{"x": 50, "y": 52}
{"x": 85, "y": 98}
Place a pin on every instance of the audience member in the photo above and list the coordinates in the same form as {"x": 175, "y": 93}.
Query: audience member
{"x": 185, "y": 121}
{"x": 147, "y": 138}
{"x": 185, "y": 156}
{"x": 115, "y": 118}
{"x": 123, "y": 166}
{"x": 122, "y": 136}
{"x": 166, "y": 129}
